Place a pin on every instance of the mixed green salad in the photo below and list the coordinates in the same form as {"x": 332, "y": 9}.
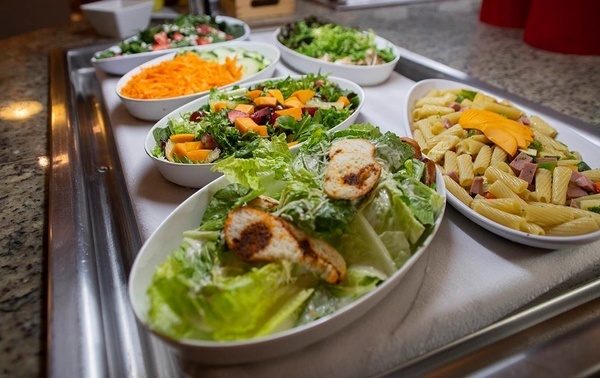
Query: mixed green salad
{"x": 334, "y": 43}
{"x": 186, "y": 30}
{"x": 211, "y": 287}
{"x": 233, "y": 122}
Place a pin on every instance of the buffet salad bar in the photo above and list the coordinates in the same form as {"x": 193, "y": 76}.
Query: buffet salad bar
{"x": 227, "y": 200}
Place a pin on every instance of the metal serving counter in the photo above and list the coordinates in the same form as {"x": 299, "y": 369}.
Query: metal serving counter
{"x": 94, "y": 237}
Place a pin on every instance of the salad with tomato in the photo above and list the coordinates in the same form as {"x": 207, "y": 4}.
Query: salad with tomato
{"x": 233, "y": 122}
{"x": 186, "y": 30}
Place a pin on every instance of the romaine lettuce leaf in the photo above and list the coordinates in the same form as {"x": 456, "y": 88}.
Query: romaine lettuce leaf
{"x": 205, "y": 291}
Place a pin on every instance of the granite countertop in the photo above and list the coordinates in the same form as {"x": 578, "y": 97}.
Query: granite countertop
{"x": 448, "y": 32}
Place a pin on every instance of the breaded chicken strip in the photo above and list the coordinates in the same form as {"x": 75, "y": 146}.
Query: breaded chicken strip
{"x": 256, "y": 235}
{"x": 353, "y": 170}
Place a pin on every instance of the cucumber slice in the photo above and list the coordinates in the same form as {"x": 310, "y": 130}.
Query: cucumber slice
{"x": 251, "y": 66}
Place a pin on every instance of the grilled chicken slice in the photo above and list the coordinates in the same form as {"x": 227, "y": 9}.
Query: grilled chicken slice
{"x": 353, "y": 170}
{"x": 256, "y": 235}
{"x": 264, "y": 203}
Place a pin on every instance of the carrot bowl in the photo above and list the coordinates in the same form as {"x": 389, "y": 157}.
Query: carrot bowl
{"x": 154, "y": 89}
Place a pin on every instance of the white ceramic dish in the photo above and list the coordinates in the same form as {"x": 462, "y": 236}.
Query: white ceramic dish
{"x": 155, "y": 109}
{"x": 118, "y": 18}
{"x": 198, "y": 175}
{"x": 168, "y": 236}
{"x": 120, "y": 65}
{"x": 589, "y": 151}
{"x": 361, "y": 75}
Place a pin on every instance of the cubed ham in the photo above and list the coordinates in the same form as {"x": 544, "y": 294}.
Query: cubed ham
{"x": 575, "y": 192}
{"x": 447, "y": 123}
{"x": 477, "y": 186}
{"x": 453, "y": 176}
{"x": 582, "y": 181}
{"x": 528, "y": 172}
{"x": 517, "y": 163}
{"x": 524, "y": 120}
{"x": 455, "y": 105}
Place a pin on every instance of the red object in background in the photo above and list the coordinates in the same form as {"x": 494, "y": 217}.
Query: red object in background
{"x": 569, "y": 27}
{"x": 505, "y": 13}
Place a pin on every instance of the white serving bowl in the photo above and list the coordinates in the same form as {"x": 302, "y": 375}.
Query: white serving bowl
{"x": 155, "y": 109}
{"x": 187, "y": 216}
{"x": 199, "y": 175}
{"x": 361, "y": 75}
{"x": 118, "y": 18}
{"x": 589, "y": 151}
{"x": 120, "y": 65}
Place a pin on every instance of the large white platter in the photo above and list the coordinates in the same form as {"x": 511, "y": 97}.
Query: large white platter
{"x": 198, "y": 175}
{"x": 575, "y": 141}
{"x": 120, "y": 65}
{"x": 187, "y": 216}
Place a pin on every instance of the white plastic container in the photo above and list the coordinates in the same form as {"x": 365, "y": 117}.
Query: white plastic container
{"x": 118, "y": 18}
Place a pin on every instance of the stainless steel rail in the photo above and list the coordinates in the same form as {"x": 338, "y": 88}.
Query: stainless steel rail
{"x": 93, "y": 236}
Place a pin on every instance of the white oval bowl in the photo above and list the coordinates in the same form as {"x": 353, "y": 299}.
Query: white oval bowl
{"x": 155, "y": 109}
{"x": 187, "y": 216}
{"x": 120, "y": 65}
{"x": 574, "y": 140}
{"x": 361, "y": 75}
{"x": 198, "y": 175}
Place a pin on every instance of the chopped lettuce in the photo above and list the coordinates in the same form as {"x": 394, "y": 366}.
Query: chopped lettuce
{"x": 205, "y": 291}
{"x": 333, "y": 42}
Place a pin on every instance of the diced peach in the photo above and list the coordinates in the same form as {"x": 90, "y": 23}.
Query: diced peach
{"x": 265, "y": 101}
{"x": 260, "y": 130}
{"x": 277, "y": 94}
{"x": 294, "y": 112}
{"x": 344, "y": 100}
{"x": 303, "y": 95}
{"x": 179, "y": 150}
{"x": 198, "y": 156}
{"x": 293, "y": 102}
{"x": 246, "y": 108}
{"x": 195, "y": 145}
{"x": 180, "y": 138}
{"x": 219, "y": 106}
{"x": 243, "y": 124}
{"x": 253, "y": 94}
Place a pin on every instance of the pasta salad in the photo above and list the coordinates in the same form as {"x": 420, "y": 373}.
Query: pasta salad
{"x": 506, "y": 165}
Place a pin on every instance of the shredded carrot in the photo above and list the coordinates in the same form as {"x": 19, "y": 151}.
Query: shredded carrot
{"x": 183, "y": 75}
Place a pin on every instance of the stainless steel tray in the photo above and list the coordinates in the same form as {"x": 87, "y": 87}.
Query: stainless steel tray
{"x": 93, "y": 238}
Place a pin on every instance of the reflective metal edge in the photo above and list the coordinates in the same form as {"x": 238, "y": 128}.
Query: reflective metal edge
{"x": 92, "y": 236}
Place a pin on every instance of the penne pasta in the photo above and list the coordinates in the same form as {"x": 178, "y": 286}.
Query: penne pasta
{"x": 465, "y": 170}
{"x": 543, "y": 185}
{"x": 548, "y": 216}
{"x": 457, "y": 191}
{"x": 450, "y": 162}
{"x": 538, "y": 124}
{"x": 506, "y": 219}
{"x": 482, "y": 160}
{"x": 579, "y": 226}
{"x": 428, "y": 110}
{"x": 438, "y": 151}
{"x": 560, "y": 183}
{"x": 515, "y": 184}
